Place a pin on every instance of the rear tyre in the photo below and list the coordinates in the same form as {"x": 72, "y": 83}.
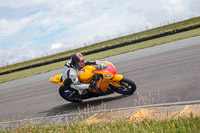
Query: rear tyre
{"x": 128, "y": 87}
{"x": 69, "y": 94}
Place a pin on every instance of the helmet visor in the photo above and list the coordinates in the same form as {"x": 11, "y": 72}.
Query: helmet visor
{"x": 81, "y": 64}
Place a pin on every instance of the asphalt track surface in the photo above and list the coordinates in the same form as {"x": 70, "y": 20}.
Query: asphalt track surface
{"x": 163, "y": 74}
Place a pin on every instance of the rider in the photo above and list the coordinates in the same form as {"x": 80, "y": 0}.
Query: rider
{"x": 70, "y": 73}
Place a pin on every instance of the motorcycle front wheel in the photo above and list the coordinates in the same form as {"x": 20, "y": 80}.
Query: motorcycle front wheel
{"x": 128, "y": 87}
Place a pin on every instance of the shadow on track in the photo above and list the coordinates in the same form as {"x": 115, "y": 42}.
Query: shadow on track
{"x": 76, "y": 107}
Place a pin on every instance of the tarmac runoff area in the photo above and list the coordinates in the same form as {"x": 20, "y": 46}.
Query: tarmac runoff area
{"x": 134, "y": 114}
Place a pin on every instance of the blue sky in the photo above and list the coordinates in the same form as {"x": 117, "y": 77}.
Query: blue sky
{"x": 31, "y": 29}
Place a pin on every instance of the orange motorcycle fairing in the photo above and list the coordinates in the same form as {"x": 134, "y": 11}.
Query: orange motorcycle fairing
{"x": 56, "y": 79}
{"x": 86, "y": 74}
{"x": 106, "y": 78}
{"x": 116, "y": 79}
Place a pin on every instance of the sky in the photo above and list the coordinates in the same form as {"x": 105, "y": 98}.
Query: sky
{"x": 32, "y": 29}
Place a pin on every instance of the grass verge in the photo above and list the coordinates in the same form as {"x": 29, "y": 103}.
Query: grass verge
{"x": 100, "y": 55}
{"x": 181, "y": 125}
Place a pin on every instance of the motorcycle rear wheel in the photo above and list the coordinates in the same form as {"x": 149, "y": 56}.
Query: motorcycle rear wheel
{"x": 128, "y": 87}
{"x": 65, "y": 94}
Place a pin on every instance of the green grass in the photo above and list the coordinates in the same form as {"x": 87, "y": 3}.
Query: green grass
{"x": 108, "y": 53}
{"x": 180, "y": 125}
{"x": 128, "y": 38}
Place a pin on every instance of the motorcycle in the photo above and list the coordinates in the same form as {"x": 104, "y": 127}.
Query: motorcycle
{"x": 105, "y": 79}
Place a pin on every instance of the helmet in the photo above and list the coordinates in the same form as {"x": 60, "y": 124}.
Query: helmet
{"x": 77, "y": 60}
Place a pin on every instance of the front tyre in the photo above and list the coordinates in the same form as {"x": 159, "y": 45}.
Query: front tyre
{"x": 128, "y": 87}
